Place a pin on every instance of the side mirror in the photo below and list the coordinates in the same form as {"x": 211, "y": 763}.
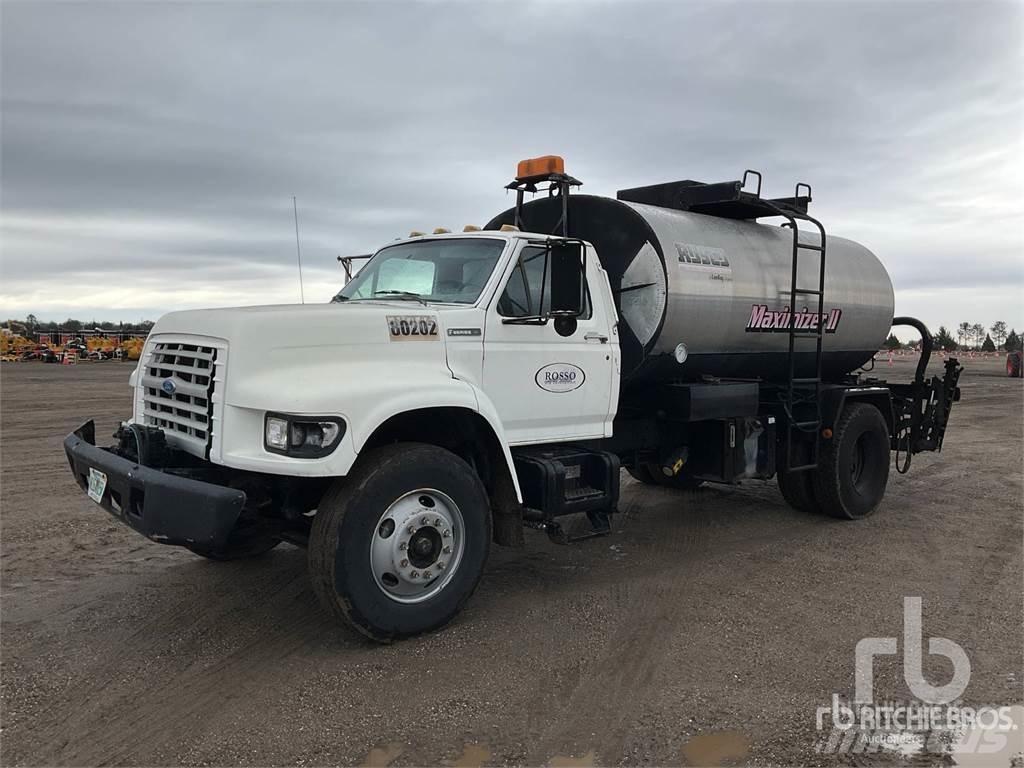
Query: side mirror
{"x": 568, "y": 296}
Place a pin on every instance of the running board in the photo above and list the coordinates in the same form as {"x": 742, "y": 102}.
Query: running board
{"x": 557, "y": 480}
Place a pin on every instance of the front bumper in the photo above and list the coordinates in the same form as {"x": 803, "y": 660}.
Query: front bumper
{"x": 161, "y": 506}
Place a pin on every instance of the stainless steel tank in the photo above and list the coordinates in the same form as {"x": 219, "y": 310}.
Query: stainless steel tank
{"x": 720, "y": 287}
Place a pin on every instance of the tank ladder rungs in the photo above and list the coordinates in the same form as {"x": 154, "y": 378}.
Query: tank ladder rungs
{"x": 806, "y": 335}
{"x": 807, "y": 292}
{"x": 808, "y": 380}
{"x": 807, "y": 247}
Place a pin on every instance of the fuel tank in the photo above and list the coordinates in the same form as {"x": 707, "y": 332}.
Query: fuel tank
{"x": 720, "y": 288}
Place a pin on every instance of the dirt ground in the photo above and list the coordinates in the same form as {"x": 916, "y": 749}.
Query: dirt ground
{"x": 708, "y": 627}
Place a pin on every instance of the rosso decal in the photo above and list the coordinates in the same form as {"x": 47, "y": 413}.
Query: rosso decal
{"x": 412, "y": 328}
{"x": 560, "y": 377}
{"x": 764, "y": 320}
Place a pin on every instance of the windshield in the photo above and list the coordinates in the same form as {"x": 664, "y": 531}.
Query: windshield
{"x": 449, "y": 270}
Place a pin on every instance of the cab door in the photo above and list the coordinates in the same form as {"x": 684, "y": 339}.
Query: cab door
{"x": 550, "y": 380}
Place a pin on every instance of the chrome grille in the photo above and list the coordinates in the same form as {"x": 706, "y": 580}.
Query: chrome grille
{"x": 177, "y": 387}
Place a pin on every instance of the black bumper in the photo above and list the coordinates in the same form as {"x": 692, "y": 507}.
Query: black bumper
{"x": 163, "y": 507}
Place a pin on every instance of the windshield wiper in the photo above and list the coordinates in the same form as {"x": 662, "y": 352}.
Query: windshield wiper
{"x": 402, "y": 295}
{"x": 339, "y": 298}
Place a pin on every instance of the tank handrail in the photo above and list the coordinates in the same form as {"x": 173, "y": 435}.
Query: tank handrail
{"x": 926, "y": 344}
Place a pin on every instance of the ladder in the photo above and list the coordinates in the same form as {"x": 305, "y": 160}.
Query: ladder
{"x": 803, "y": 424}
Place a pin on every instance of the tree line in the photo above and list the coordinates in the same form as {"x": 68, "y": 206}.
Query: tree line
{"x": 32, "y": 325}
{"x": 970, "y": 336}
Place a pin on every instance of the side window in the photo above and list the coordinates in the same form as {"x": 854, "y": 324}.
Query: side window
{"x": 515, "y": 299}
{"x": 528, "y": 291}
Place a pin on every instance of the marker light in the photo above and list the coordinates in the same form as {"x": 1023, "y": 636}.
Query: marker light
{"x": 416, "y": 233}
{"x": 537, "y": 167}
{"x": 471, "y": 228}
{"x": 509, "y": 228}
{"x": 442, "y": 231}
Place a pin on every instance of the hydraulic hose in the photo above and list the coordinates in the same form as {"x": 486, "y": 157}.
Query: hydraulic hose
{"x": 926, "y": 344}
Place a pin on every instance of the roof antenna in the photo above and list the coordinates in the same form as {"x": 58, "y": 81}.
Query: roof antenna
{"x": 298, "y": 252}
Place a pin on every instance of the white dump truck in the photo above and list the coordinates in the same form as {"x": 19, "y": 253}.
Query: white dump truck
{"x": 462, "y": 386}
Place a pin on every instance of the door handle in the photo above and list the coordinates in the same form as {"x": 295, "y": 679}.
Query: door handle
{"x": 592, "y": 336}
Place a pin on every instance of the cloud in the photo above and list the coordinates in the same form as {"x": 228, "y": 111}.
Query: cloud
{"x": 150, "y": 151}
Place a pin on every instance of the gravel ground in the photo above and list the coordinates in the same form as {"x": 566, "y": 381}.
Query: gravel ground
{"x": 707, "y": 628}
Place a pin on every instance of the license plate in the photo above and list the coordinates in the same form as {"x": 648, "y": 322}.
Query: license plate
{"x": 97, "y": 484}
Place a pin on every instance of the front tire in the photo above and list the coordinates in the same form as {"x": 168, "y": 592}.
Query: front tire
{"x": 853, "y": 468}
{"x": 399, "y": 545}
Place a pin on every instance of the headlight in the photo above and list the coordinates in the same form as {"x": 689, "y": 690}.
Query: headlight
{"x": 302, "y": 436}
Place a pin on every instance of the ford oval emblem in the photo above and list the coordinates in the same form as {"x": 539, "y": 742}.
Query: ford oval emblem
{"x": 560, "y": 377}
{"x": 168, "y": 386}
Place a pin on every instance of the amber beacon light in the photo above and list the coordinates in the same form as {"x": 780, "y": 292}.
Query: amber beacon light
{"x": 539, "y": 167}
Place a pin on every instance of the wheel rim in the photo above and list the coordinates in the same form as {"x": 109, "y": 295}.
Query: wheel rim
{"x": 857, "y": 462}
{"x": 417, "y": 546}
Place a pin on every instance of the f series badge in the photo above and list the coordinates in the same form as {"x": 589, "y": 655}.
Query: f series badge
{"x": 412, "y": 328}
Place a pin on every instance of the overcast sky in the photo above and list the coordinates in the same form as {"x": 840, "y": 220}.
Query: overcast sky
{"x": 151, "y": 151}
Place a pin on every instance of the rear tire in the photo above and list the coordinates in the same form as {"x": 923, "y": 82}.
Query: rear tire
{"x": 400, "y": 499}
{"x": 641, "y": 473}
{"x": 651, "y": 474}
{"x": 680, "y": 482}
{"x": 798, "y": 490}
{"x": 853, "y": 468}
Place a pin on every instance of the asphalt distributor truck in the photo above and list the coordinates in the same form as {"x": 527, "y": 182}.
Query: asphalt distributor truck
{"x": 464, "y": 385}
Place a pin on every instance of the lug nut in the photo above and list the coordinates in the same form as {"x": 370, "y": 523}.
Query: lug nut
{"x": 446, "y": 533}
{"x": 402, "y": 545}
{"x": 447, "y": 550}
{"x": 414, "y": 575}
{"x": 440, "y": 565}
{"x": 437, "y": 522}
{"x": 423, "y": 520}
{"x": 411, "y": 529}
{"x": 405, "y": 563}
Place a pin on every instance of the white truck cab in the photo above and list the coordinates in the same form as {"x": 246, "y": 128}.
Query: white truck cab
{"x": 409, "y": 332}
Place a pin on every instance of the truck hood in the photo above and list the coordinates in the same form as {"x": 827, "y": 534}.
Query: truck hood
{"x": 297, "y": 325}
{"x": 275, "y": 354}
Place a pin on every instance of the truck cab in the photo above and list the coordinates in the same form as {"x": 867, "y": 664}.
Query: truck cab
{"x": 459, "y": 348}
